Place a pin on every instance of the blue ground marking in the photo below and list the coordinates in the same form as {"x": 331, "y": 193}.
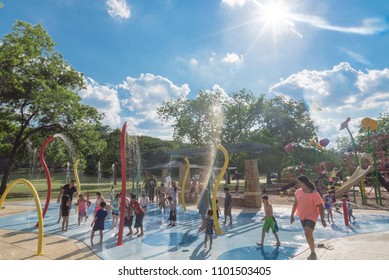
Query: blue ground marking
{"x": 184, "y": 242}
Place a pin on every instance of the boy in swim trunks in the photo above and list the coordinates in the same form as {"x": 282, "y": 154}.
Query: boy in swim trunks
{"x": 269, "y": 221}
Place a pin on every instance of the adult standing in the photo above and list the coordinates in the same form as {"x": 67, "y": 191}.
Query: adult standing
{"x": 67, "y": 189}
{"x": 152, "y": 183}
{"x": 308, "y": 205}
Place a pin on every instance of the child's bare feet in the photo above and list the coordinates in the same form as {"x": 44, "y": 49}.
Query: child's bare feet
{"x": 278, "y": 244}
{"x": 260, "y": 244}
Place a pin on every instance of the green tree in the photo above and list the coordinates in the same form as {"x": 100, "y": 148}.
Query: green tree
{"x": 241, "y": 112}
{"x": 197, "y": 121}
{"x": 213, "y": 116}
{"x": 282, "y": 121}
{"x": 39, "y": 92}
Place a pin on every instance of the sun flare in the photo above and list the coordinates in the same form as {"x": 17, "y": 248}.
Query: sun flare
{"x": 275, "y": 16}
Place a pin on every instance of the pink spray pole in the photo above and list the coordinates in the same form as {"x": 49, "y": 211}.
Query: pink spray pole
{"x": 47, "y": 172}
{"x": 124, "y": 177}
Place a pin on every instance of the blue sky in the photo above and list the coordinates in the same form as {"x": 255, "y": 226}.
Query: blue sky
{"x": 136, "y": 53}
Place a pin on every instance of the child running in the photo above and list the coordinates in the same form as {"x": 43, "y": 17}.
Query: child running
{"x": 329, "y": 201}
{"x": 209, "y": 229}
{"x": 82, "y": 204}
{"x": 269, "y": 221}
{"x": 98, "y": 222}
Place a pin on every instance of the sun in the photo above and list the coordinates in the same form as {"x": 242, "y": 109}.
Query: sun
{"x": 275, "y": 15}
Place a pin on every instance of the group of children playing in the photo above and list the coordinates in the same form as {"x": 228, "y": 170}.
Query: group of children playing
{"x": 139, "y": 208}
{"x": 329, "y": 202}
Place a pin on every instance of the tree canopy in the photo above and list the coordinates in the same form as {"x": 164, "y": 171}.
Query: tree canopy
{"x": 39, "y": 92}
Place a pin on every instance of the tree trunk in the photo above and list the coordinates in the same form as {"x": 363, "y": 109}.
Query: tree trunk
{"x": 8, "y": 170}
{"x": 11, "y": 161}
{"x": 268, "y": 178}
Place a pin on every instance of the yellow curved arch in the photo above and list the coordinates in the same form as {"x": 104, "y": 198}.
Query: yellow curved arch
{"x": 77, "y": 180}
{"x": 215, "y": 190}
{"x": 38, "y": 208}
{"x": 184, "y": 183}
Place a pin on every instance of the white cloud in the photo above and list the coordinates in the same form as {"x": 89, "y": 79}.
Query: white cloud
{"x": 105, "y": 99}
{"x": 233, "y": 3}
{"x": 149, "y": 91}
{"x": 339, "y": 93}
{"x": 193, "y": 62}
{"x": 134, "y": 101}
{"x": 232, "y": 58}
{"x": 369, "y": 26}
{"x": 143, "y": 97}
{"x": 118, "y": 8}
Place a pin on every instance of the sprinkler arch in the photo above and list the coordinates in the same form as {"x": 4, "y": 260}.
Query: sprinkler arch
{"x": 215, "y": 190}
{"x": 184, "y": 183}
{"x": 47, "y": 172}
{"x": 124, "y": 177}
{"x": 38, "y": 209}
{"x": 77, "y": 180}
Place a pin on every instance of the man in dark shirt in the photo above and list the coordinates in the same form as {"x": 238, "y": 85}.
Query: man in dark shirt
{"x": 67, "y": 189}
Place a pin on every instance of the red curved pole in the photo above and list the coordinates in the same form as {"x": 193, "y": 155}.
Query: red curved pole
{"x": 47, "y": 172}
{"x": 124, "y": 177}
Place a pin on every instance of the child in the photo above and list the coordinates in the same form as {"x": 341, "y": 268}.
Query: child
{"x": 333, "y": 189}
{"x": 129, "y": 218}
{"x": 99, "y": 199}
{"x": 227, "y": 205}
{"x": 209, "y": 228}
{"x": 349, "y": 208}
{"x": 65, "y": 212}
{"x": 144, "y": 201}
{"x": 82, "y": 204}
{"x": 115, "y": 210}
{"x": 329, "y": 201}
{"x": 139, "y": 214}
{"x": 98, "y": 222}
{"x": 162, "y": 201}
{"x": 173, "y": 212}
{"x": 269, "y": 221}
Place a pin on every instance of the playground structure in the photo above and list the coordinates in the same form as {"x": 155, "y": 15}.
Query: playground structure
{"x": 251, "y": 196}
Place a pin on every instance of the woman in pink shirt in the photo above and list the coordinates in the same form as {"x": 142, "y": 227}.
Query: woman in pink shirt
{"x": 308, "y": 205}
